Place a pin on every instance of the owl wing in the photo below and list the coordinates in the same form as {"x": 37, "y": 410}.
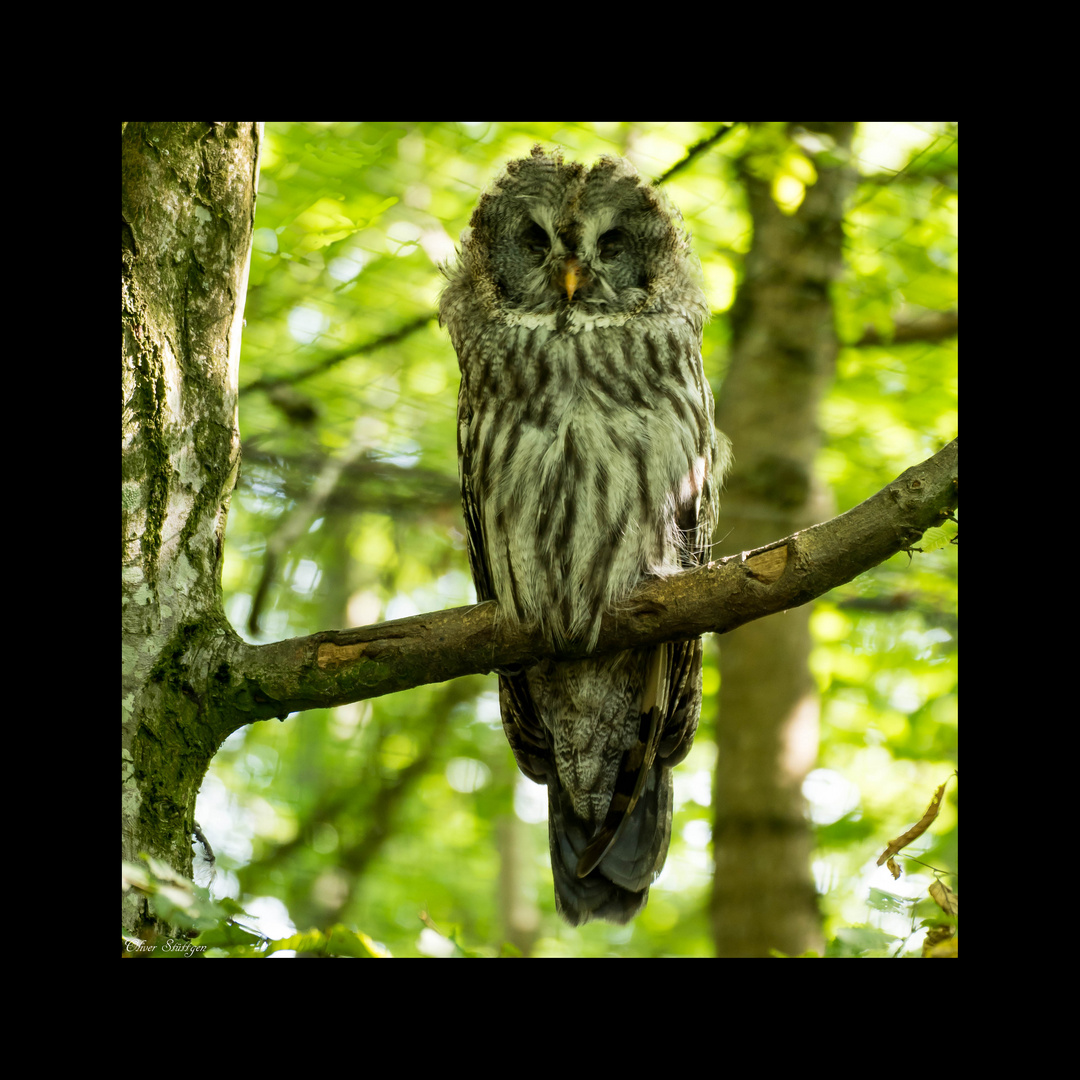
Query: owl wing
{"x": 606, "y": 872}
{"x": 521, "y": 722}
{"x": 474, "y": 529}
{"x": 633, "y": 840}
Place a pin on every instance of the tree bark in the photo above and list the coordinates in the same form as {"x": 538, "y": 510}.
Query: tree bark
{"x": 782, "y": 358}
{"x": 188, "y": 208}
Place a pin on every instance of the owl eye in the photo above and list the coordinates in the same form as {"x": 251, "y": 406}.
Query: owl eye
{"x": 536, "y": 240}
{"x": 612, "y": 244}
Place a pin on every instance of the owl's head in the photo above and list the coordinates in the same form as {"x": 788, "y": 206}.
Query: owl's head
{"x": 555, "y": 240}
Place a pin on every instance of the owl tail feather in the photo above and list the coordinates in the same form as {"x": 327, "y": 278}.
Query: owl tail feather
{"x": 616, "y": 886}
{"x": 614, "y": 866}
{"x": 634, "y": 772}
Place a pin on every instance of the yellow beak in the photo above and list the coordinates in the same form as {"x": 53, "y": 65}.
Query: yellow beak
{"x": 572, "y": 278}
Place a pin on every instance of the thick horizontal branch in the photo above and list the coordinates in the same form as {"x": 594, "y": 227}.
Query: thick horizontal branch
{"x": 334, "y": 667}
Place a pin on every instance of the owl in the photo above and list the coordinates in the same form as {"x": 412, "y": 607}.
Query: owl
{"x": 588, "y": 461}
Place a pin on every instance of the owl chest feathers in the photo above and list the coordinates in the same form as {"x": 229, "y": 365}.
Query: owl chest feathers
{"x": 584, "y": 463}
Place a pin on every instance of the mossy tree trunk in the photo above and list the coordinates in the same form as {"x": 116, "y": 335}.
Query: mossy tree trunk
{"x": 188, "y": 211}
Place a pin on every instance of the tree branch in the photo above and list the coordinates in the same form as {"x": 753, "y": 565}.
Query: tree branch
{"x": 334, "y": 667}
{"x": 931, "y": 327}
{"x": 269, "y": 382}
{"x": 695, "y": 151}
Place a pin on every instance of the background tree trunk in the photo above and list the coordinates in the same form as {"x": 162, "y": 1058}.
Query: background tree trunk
{"x": 187, "y": 217}
{"x": 782, "y": 357}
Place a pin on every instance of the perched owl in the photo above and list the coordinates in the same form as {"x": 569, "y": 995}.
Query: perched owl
{"x": 588, "y": 461}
